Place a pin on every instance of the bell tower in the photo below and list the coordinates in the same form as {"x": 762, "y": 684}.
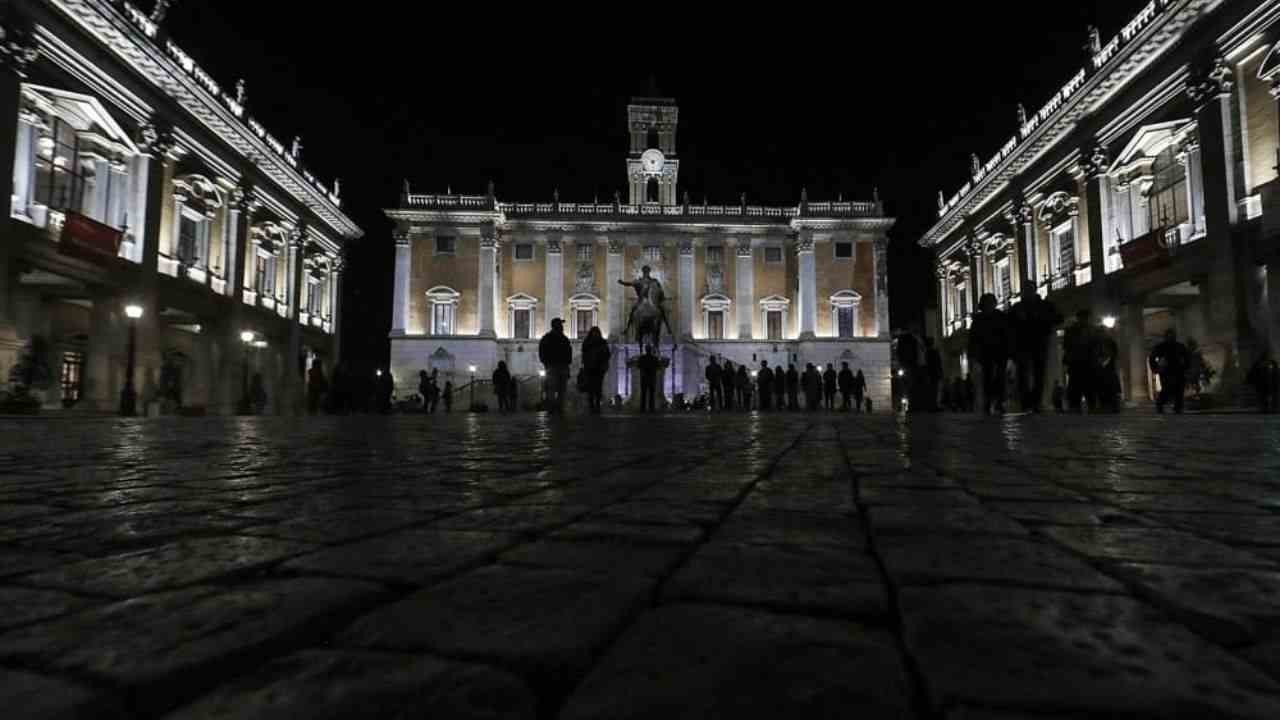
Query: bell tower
{"x": 652, "y": 166}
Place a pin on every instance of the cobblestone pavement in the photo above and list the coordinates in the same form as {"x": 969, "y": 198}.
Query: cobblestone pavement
{"x": 629, "y": 567}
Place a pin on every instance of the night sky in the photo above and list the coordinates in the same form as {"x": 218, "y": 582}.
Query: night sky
{"x": 896, "y": 98}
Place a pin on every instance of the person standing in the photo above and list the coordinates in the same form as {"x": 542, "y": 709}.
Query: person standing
{"x": 1169, "y": 360}
{"x": 779, "y": 388}
{"x": 648, "y": 365}
{"x": 595, "y": 363}
{"x": 1262, "y": 376}
{"x": 742, "y": 382}
{"x": 501, "y": 377}
{"x": 1079, "y": 355}
{"x": 793, "y": 388}
{"x": 764, "y": 384}
{"x": 1032, "y": 321}
{"x": 317, "y": 387}
{"x": 860, "y": 389}
{"x": 1058, "y": 395}
{"x": 556, "y": 355}
{"x": 448, "y": 396}
{"x": 715, "y": 396}
{"x": 728, "y": 380}
{"x": 513, "y": 394}
{"x": 845, "y": 381}
{"x": 258, "y": 394}
{"x": 829, "y": 387}
{"x": 811, "y": 383}
{"x": 424, "y": 389}
{"x": 989, "y": 344}
{"x": 933, "y": 372}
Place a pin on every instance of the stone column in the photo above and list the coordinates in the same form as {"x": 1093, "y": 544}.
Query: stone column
{"x": 808, "y": 299}
{"x": 400, "y": 290}
{"x": 554, "y": 282}
{"x": 294, "y": 379}
{"x": 1094, "y": 162}
{"x": 106, "y": 345}
{"x": 231, "y": 356}
{"x": 335, "y": 314}
{"x": 1133, "y": 352}
{"x": 488, "y": 283}
{"x": 943, "y": 316}
{"x": 20, "y": 50}
{"x": 687, "y": 301}
{"x": 1210, "y": 90}
{"x": 1189, "y": 157}
{"x": 744, "y": 287}
{"x": 880, "y": 270}
{"x": 1019, "y": 217}
{"x": 615, "y": 294}
{"x": 29, "y": 124}
{"x": 975, "y": 292}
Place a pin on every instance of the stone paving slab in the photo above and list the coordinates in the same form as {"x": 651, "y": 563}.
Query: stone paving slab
{"x": 795, "y": 565}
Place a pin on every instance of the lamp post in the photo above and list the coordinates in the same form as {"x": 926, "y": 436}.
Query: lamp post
{"x": 472, "y": 369}
{"x": 246, "y": 401}
{"x": 128, "y": 396}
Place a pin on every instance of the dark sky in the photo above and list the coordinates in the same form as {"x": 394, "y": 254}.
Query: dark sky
{"x": 895, "y": 97}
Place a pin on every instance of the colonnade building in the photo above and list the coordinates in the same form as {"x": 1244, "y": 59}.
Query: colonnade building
{"x": 129, "y": 176}
{"x": 1144, "y": 190}
{"x": 478, "y": 280}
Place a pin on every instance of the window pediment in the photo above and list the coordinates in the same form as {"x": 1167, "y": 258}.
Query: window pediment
{"x": 584, "y": 301}
{"x": 1148, "y": 142}
{"x": 775, "y": 302}
{"x": 443, "y": 294}
{"x": 83, "y": 112}
{"x": 521, "y": 301}
{"x": 716, "y": 301}
{"x": 846, "y": 298}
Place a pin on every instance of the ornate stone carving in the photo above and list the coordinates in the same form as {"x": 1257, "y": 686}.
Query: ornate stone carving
{"x": 553, "y": 246}
{"x": 1094, "y": 160}
{"x": 401, "y": 238}
{"x": 157, "y": 139}
{"x": 243, "y": 200}
{"x": 686, "y": 248}
{"x": 489, "y": 242}
{"x": 616, "y": 246}
{"x": 715, "y": 278}
{"x": 18, "y": 47}
{"x": 585, "y": 277}
{"x": 804, "y": 244}
{"x": 1212, "y": 81}
{"x": 743, "y": 248}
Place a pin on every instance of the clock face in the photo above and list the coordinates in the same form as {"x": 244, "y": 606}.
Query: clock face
{"x": 652, "y": 160}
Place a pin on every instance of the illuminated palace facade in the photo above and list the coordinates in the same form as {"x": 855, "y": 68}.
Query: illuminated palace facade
{"x": 1145, "y": 190}
{"x": 478, "y": 280}
{"x": 132, "y": 178}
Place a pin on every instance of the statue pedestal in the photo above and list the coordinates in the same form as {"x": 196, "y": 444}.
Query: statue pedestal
{"x": 659, "y": 388}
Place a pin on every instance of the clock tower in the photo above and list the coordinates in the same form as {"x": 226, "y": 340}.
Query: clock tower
{"x": 652, "y": 167}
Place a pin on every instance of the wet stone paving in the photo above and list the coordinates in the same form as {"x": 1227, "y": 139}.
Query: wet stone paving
{"x": 694, "y": 566}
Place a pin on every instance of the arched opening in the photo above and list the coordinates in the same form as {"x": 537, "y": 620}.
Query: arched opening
{"x": 651, "y": 190}
{"x": 651, "y": 138}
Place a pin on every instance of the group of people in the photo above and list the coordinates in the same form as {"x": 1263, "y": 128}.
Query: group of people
{"x": 731, "y": 387}
{"x": 432, "y": 393}
{"x": 555, "y": 352}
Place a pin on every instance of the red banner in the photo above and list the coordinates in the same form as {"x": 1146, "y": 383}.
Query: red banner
{"x": 84, "y": 234}
{"x": 1145, "y": 249}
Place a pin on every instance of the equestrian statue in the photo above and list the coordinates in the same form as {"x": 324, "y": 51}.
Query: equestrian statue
{"x": 648, "y": 315}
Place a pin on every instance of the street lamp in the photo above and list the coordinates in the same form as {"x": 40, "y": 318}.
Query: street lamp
{"x": 128, "y": 396}
{"x": 472, "y": 369}
{"x": 246, "y": 402}
{"x": 542, "y": 374}
{"x": 1108, "y": 321}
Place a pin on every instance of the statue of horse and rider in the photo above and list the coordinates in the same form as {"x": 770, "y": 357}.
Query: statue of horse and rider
{"x": 648, "y": 315}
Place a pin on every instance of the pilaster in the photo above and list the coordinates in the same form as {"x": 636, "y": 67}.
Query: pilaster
{"x": 808, "y": 299}
{"x": 687, "y": 301}
{"x": 400, "y": 290}
{"x": 1094, "y": 163}
{"x": 615, "y": 294}
{"x": 744, "y": 287}
{"x": 881, "y": 269}
{"x": 554, "y": 276}
{"x": 488, "y": 270}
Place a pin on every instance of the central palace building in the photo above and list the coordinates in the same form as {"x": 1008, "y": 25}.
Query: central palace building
{"x": 478, "y": 280}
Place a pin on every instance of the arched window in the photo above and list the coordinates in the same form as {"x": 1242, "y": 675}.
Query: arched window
{"x": 844, "y": 313}
{"x": 586, "y": 310}
{"x": 651, "y": 193}
{"x": 442, "y": 302}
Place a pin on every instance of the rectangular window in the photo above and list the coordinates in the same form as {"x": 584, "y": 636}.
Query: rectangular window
{"x": 72, "y": 374}
{"x": 523, "y": 251}
{"x": 193, "y": 239}
{"x": 445, "y": 245}
{"x": 844, "y": 322}
{"x": 442, "y": 319}
{"x": 1004, "y": 280}
{"x": 1063, "y": 253}
{"x": 586, "y": 252}
{"x": 773, "y": 322}
{"x": 844, "y": 251}
{"x": 522, "y": 324}
{"x": 584, "y": 321}
{"x": 314, "y": 296}
{"x": 653, "y": 253}
{"x": 772, "y": 254}
{"x": 715, "y": 324}
{"x": 715, "y": 254}
{"x": 265, "y": 275}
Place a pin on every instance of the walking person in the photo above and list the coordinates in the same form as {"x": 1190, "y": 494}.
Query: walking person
{"x": 1032, "y": 321}
{"x": 845, "y": 381}
{"x": 715, "y": 395}
{"x": 556, "y": 355}
{"x": 648, "y": 365}
{"x": 742, "y": 383}
{"x": 513, "y": 394}
{"x": 448, "y": 396}
{"x": 793, "y": 388}
{"x": 779, "y": 388}
{"x": 258, "y": 394}
{"x": 989, "y": 344}
{"x": 728, "y": 379}
{"x": 860, "y": 389}
{"x": 595, "y": 363}
{"x": 317, "y": 387}
{"x": 501, "y": 378}
{"x": 1078, "y": 354}
{"x": 933, "y": 374}
{"x": 1263, "y": 376}
{"x": 1059, "y": 395}
{"x": 1169, "y": 360}
{"x": 829, "y": 387}
{"x": 764, "y": 384}
{"x": 424, "y": 389}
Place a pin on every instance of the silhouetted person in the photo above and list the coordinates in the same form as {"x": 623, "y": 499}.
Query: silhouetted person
{"x": 1169, "y": 359}
{"x": 715, "y": 395}
{"x": 424, "y": 389}
{"x": 317, "y": 386}
{"x": 1032, "y": 321}
{"x": 811, "y": 382}
{"x": 1263, "y": 377}
{"x": 386, "y": 386}
{"x": 729, "y": 380}
{"x": 860, "y": 389}
{"x": 648, "y": 366}
{"x": 829, "y": 379}
{"x": 989, "y": 345}
{"x": 793, "y": 388}
{"x": 868, "y": 406}
{"x": 764, "y": 384}
{"x": 556, "y": 355}
{"x": 845, "y": 381}
{"x": 501, "y": 380}
{"x": 1059, "y": 395}
{"x": 742, "y": 383}
{"x": 595, "y": 363}
{"x": 448, "y": 396}
{"x": 933, "y": 371}
{"x": 513, "y": 394}
{"x": 258, "y": 394}
{"x": 1108, "y": 375}
{"x": 1079, "y": 354}
{"x": 779, "y": 388}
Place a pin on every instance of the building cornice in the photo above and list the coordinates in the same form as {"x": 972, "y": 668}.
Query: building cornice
{"x": 126, "y": 32}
